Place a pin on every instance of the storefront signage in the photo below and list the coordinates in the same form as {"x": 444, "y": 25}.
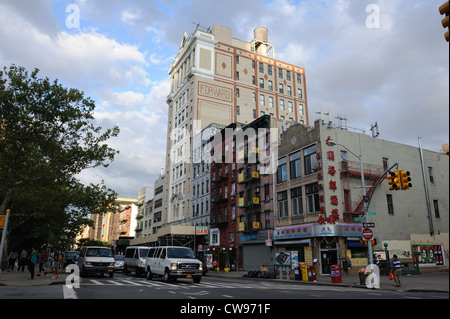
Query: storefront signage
{"x": 318, "y": 230}
{"x": 301, "y": 231}
{"x": 201, "y": 230}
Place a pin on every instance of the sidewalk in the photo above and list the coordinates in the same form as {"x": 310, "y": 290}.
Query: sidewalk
{"x": 424, "y": 282}
{"x": 19, "y": 279}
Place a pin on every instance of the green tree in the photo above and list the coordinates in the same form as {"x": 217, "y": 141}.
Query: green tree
{"x": 47, "y": 137}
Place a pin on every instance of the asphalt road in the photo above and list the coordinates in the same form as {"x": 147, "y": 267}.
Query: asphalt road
{"x": 210, "y": 288}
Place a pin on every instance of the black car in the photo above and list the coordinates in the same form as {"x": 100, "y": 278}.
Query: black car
{"x": 71, "y": 258}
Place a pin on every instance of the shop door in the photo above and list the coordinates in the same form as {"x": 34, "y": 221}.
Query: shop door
{"x": 329, "y": 257}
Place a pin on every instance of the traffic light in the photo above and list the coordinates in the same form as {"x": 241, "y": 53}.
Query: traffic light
{"x": 394, "y": 180}
{"x": 405, "y": 180}
{"x": 444, "y": 9}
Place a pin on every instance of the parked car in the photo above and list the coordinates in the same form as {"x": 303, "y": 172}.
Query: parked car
{"x": 71, "y": 258}
{"x": 118, "y": 266}
{"x": 172, "y": 262}
{"x": 96, "y": 259}
{"x": 135, "y": 259}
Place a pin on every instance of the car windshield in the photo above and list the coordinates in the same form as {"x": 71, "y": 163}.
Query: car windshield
{"x": 72, "y": 254}
{"x": 99, "y": 252}
{"x": 119, "y": 257}
{"x": 180, "y": 253}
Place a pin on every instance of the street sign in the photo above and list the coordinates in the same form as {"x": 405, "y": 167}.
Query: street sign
{"x": 367, "y": 234}
{"x": 371, "y": 225}
{"x": 359, "y": 219}
{"x": 371, "y": 213}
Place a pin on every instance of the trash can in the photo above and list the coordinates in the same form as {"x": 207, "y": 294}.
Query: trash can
{"x": 304, "y": 271}
{"x": 362, "y": 276}
{"x": 335, "y": 271}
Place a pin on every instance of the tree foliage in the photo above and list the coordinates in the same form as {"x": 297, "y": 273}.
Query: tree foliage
{"x": 47, "y": 137}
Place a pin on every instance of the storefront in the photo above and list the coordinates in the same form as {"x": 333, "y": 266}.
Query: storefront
{"x": 314, "y": 244}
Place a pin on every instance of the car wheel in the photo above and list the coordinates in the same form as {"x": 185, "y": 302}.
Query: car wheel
{"x": 166, "y": 276}
{"x": 125, "y": 270}
{"x": 197, "y": 279}
{"x": 111, "y": 274}
{"x": 149, "y": 274}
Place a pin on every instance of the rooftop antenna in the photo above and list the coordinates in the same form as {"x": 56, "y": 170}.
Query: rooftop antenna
{"x": 374, "y": 129}
{"x": 341, "y": 119}
{"x": 197, "y": 26}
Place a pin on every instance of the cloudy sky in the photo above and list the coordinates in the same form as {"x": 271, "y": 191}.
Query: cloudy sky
{"x": 369, "y": 61}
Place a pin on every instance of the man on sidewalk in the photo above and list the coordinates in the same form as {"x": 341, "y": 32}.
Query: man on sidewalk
{"x": 396, "y": 269}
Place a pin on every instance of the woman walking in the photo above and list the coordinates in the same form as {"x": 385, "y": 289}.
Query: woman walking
{"x": 33, "y": 260}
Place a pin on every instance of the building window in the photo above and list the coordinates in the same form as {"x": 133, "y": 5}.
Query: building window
{"x": 299, "y": 78}
{"x": 270, "y": 85}
{"x": 296, "y": 201}
{"x": 282, "y": 204}
{"x": 237, "y": 76}
{"x": 254, "y": 114}
{"x": 300, "y": 109}
{"x": 237, "y": 92}
{"x": 290, "y": 108}
{"x": 280, "y": 73}
{"x": 262, "y": 99}
{"x": 269, "y": 69}
{"x": 289, "y": 90}
{"x": 288, "y": 75}
{"x": 261, "y": 83}
{"x": 436, "y": 209}
{"x": 237, "y": 59}
{"x": 261, "y": 67}
{"x": 294, "y": 165}
{"x": 300, "y": 93}
{"x": 281, "y": 104}
{"x": 312, "y": 198}
{"x": 390, "y": 204}
{"x": 280, "y": 87}
{"x": 310, "y": 159}
{"x": 281, "y": 171}
{"x": 270, "y": 101}
{"x": 237, "y": 110}
{"x": 253, "y": 79}
{"x": 430, "y": 173}
{"x": 253, "y": 64}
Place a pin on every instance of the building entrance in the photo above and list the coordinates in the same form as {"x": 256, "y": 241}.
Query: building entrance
{"x": 328, "y": 257}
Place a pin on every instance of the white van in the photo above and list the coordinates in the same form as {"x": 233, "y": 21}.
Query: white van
{"x": 172, "y": 262}
{"x": 96, "y": 259}
{"x": 135, "y": 259}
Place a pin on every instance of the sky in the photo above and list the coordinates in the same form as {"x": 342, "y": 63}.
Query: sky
{"x": 368, "y": 61}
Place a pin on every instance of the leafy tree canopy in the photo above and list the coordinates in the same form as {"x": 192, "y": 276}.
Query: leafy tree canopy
{"x": 47, "y": 137}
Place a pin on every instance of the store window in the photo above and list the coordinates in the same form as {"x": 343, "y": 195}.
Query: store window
{"x": 312, "y": 197}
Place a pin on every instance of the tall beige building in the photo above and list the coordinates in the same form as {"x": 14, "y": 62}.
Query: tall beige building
{"x": 220, "y": 79}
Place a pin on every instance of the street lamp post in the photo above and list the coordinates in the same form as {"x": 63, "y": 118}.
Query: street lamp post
{"x": 365, "y": 199}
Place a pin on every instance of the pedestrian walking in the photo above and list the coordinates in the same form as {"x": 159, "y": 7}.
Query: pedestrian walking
{"x": 215, "y": 265}
{"x": 53, "y": 262}
{"x": 23, "y": 260}
{"x": 42, "y": 258}
{"x": 33, "y": 261}
{"x": 396, "y": 269}
{"x": 12, "y": 260}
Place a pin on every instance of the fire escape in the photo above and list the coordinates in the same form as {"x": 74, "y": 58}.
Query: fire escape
{"x": 350, "y": 169}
